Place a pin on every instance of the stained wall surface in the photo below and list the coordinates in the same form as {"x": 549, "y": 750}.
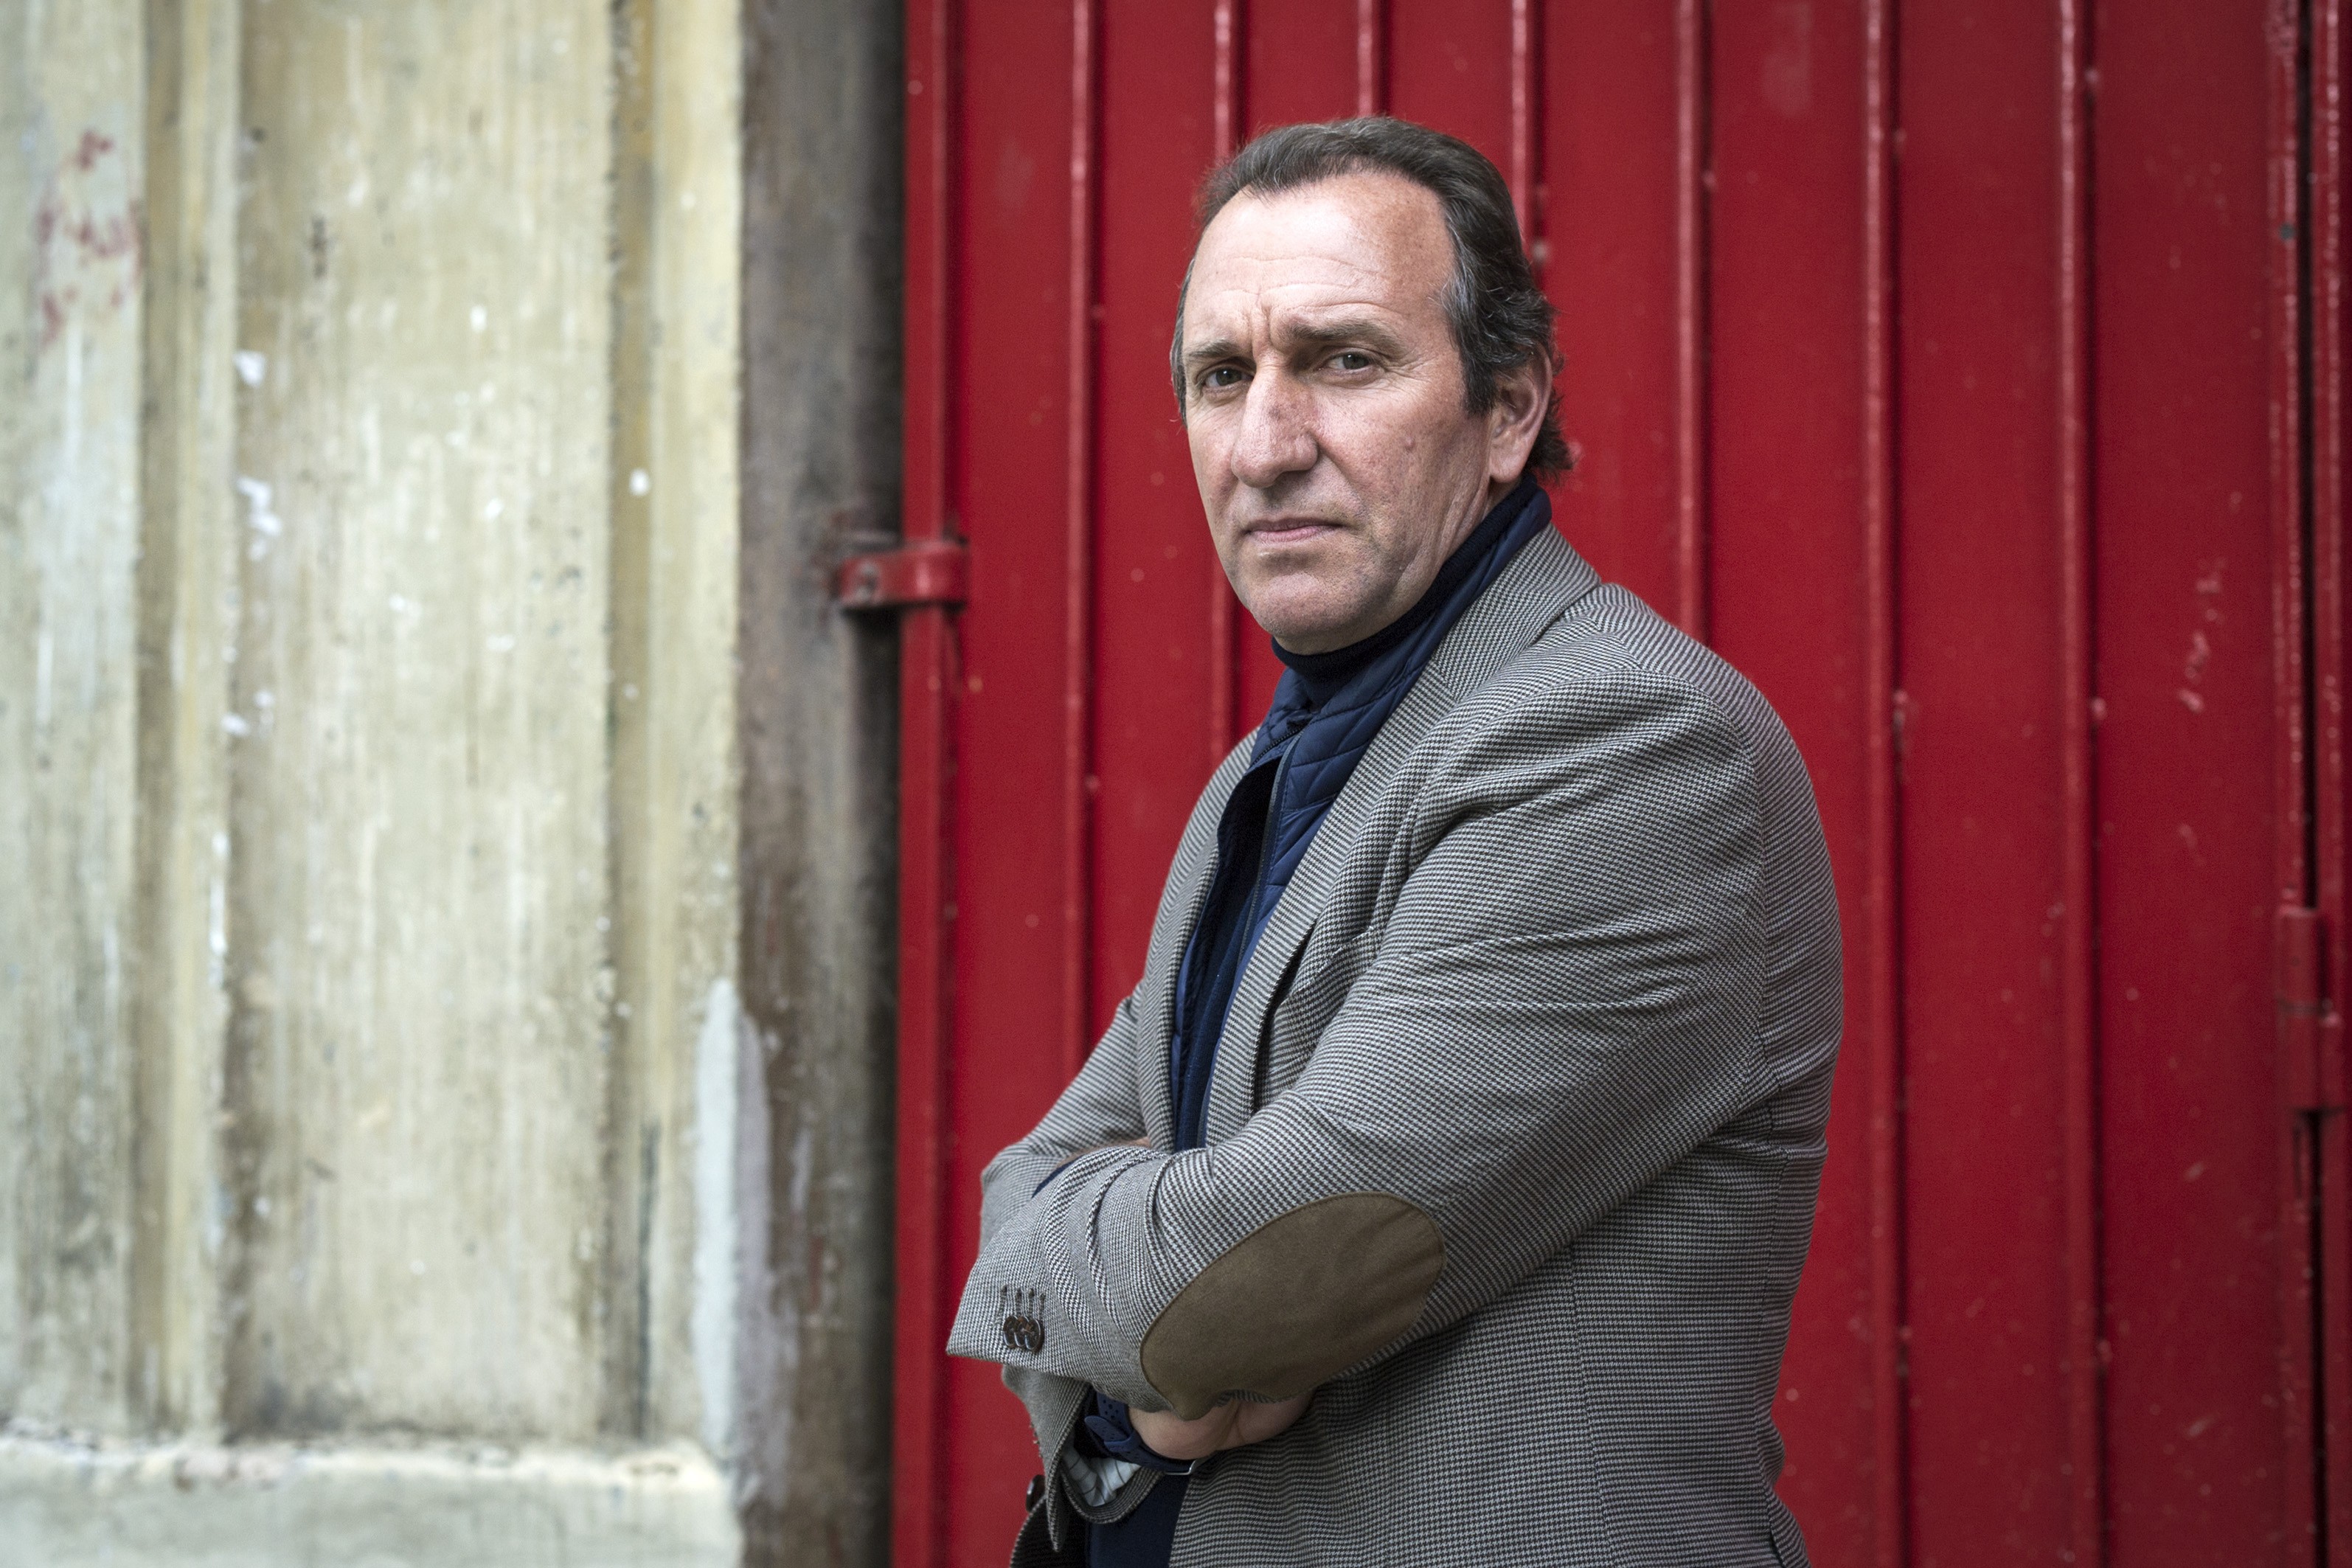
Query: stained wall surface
{"x": 71, "y": 157}
{"x": 367, "y": 787}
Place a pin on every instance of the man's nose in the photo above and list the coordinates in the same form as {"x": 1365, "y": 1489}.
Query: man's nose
{"x": 1278, "y": 435}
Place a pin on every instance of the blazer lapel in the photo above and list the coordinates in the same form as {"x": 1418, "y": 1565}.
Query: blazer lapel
{"x": 1541, "y": 583}
{"x": 1171, "y": 931}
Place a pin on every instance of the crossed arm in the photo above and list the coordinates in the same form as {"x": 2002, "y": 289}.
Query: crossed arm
{"x": 1232, "y": 1423}
{"x": 1562, "y": 1005}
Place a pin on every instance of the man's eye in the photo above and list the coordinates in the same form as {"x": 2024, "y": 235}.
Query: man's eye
{"x": 1221, "y": 377}
{"x": 1351, "y": 359}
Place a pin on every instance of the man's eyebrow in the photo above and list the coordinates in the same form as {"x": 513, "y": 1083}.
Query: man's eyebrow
{"x": 1209, "y": 352}
{"x": 1360, "y": 330}
{"x": 1363, "y": 330}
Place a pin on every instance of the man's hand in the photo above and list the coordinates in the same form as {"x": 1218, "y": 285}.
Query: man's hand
{"x": 1234, "y": 1424}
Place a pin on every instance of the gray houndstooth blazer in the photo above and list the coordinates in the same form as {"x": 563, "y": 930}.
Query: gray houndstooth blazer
{"x": 1514, "y": 1133}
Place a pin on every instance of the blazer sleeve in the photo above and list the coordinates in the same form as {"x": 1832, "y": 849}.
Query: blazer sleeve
{"x": 1101, "y": 1106}
{"x": 1563, "y": 1003}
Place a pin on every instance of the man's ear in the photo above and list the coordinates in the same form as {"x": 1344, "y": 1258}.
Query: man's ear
{"x": 1522, "y": 395}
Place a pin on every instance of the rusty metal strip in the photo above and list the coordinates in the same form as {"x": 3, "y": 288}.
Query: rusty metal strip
{"x": 921, "y": 573}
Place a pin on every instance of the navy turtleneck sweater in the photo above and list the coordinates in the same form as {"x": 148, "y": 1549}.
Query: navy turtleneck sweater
{"x": 1326, "y": 711}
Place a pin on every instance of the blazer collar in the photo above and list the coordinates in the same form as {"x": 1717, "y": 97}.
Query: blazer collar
{"x": 1541, "y": 583}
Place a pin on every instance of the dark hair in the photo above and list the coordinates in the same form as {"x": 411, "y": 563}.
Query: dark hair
{"x": 1499, "y": 315}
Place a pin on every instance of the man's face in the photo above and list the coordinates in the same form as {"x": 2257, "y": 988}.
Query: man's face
{"x": 1337, "y": 461}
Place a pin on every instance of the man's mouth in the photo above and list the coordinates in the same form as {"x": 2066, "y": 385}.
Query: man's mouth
{"x": 1283, "y": 530}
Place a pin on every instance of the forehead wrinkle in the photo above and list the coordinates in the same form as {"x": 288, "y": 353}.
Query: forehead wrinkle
{"x": 1262, "y": 299}
{"x": 1378, "y": 227}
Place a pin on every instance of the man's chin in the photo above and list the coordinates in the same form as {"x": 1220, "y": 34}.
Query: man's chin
{"x": 1313, "y": 609}
{"x": 1312, "y": 633}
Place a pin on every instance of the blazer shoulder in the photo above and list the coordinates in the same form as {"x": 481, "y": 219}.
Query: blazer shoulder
{"x": 1610, "y": 655}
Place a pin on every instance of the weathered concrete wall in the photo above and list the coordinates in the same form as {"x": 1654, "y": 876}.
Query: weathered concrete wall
{"x": 674, "y": 476}
{"x": 187, "y": 564}
{"x": 71, "y": 164}
{"x": 420, "y": 925}
{"x": 194, "y": 1506}
{"x": 373, "y": 547}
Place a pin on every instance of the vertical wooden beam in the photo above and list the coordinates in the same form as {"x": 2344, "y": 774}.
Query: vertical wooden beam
{"x": 2078, "y": 978}
{"x": 1881, "y": 999}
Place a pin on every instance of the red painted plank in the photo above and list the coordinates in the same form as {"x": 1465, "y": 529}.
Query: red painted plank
{"x": 1302, "y": 60}
{"x": 1790, "y": 592}
{"x": 1156, "y": 665}
{"x": 1981, "y": 483}
{"x": 2188, "y": 1111}
{"x": 1449, "y": 67}
{"x": 1010, "y": 481}
{"x": 1607, "y": 254}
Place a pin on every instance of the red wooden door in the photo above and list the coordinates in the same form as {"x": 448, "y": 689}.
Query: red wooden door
{"x": 1970, "y": 373}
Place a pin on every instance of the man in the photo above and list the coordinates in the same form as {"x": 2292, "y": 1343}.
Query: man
{"x": 1439, "y": 1193}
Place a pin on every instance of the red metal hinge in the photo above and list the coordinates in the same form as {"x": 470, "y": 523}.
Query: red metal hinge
{"x": 2311, "y": 1032}
{"x": 926, "y": 571}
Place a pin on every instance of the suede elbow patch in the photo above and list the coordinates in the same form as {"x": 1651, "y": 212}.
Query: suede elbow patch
{"x": 1302, "y": 1298}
